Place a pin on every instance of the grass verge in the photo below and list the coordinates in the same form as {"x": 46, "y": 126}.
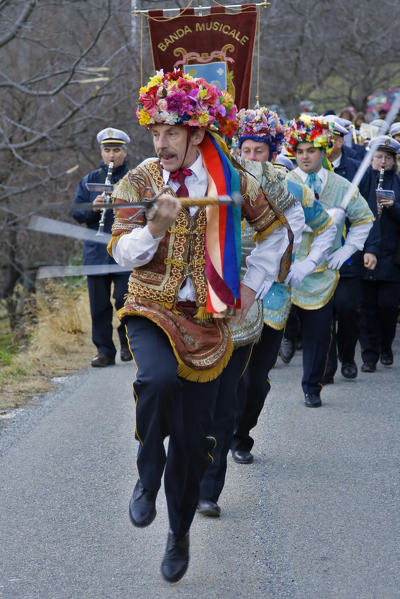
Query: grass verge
{"x": 59, "y": 344}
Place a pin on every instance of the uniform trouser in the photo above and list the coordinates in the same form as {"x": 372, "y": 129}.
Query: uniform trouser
{"x": 293, "y": 325}
{"x": 316, "y": 326}
{"x": 254, "y": 386}
{"x": 101, "y": 309}
{"x": 213, "y": 480}
{"x": 346, "y": 323}
{"x": 169, "y": 405}
{"x": 378, "y": 318}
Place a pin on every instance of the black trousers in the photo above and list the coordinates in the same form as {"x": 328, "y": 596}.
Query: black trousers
{"x": 213, "y": 479}
{"x": 346, "y": 323}
{"x": 378, "y": 318}
{"x": 167, "y": 405}
{"x": 316, "y": 326}
{"x": 293, "y": 325}
{"x": 101, "y": 309}
{"x": 254, "y": 386}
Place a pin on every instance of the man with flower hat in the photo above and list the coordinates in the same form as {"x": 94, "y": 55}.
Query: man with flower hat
{"x": 255, "y": 385}
{"x": 260, "y": 132}
{"x": 184, "y": 284}
{"x": 309, "y": 138}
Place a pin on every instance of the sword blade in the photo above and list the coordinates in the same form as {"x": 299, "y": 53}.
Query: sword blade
{"x": 46, "y": 272}
{"x": 56, "y": 227}
{"x": 100, "y": 187}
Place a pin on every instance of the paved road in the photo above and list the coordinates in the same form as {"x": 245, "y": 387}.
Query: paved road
{"x": 315, "y": 517}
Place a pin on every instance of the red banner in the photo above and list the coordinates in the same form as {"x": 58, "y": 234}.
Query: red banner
{"x": 218, "y": 46}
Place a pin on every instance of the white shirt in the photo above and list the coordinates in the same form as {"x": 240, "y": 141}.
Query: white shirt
{"x": 138, "y": 247}
{"x": 336, "y": 163}
{"x": 322, "y": 175}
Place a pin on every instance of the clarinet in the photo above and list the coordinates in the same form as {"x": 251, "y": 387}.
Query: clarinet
{"x": 107, "y": 196}
{"x": 379, "y": 187}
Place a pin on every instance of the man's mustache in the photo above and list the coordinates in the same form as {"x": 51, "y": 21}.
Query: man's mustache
{"x": 162, "y": 154}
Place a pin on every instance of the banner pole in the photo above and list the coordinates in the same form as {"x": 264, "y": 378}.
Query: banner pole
{"x": 141, "y": 50}
{"x": 137, "y": 11}
{"x": 258, "y": 61}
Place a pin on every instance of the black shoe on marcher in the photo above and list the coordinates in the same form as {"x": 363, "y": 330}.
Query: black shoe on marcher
{"x": 387, "y": 358}
{"x": 286, "y": 350}
{"x": 102, "y": 360}
{"x": 349, "y": 370}
{"x": 242, "y": 456}
{"x": 208, "y": 508}
{"x": 312, "y": 400}
{"x": 176, "y": 557}
{"x": 327, "y": 379}
{"x": 368, "y": 367}
{"x": 125, "y": 353}
{"x": 142, "y": 506}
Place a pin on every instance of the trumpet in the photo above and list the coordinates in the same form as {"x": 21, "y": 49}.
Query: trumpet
{"x": 107, "y": 197}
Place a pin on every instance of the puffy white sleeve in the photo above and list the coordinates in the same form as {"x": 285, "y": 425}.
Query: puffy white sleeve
{"x": 135, "y": 248}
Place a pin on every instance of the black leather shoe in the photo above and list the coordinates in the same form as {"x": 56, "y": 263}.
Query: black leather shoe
{"x": 312, "y": 400}
{"x": 368, "y": 367}
{"x": 349, "y": 370}
{"x": 208, "y": 508}
{"x": 387, "y": 358}
{"x": 102, "y": 360}
{"x": 241, "y": 456}
{"x": 327, "y": 380}
{"x": 125, "y": 353}
{"x": 176, "y": 557}
{"x": 286, "y": 350}
{"x": 142, "y": 506}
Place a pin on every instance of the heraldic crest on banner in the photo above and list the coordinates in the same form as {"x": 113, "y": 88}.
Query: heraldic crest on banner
{"x": 213, "y": 66}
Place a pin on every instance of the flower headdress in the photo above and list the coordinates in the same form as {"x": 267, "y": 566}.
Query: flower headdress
{"x": 176, "y": 98}
{"x": 260, "y": 124}
{"x": 309, "y": 129}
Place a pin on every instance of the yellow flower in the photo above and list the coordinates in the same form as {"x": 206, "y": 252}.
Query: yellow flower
{"x": 144, "y": 117}
{"x": 155, "y": 80}
{"x": 204, "y": 118}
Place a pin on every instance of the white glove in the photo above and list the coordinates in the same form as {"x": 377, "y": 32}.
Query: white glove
{"x": 337, "y": 214}
{"x": 336, "y": 259}
{"x": 299, "y": 270}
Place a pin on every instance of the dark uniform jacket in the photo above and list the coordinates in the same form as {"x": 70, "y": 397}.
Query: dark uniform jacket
{"x": 95, "y": 253}
{"x": 356, "y": 151}
{"x": 389, "y": 224}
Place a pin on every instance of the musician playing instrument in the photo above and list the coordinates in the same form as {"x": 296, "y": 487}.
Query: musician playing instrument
{"x": 183, "y": 287}
{"x": 381, "y": 286}
{"x": 113, "y": 148}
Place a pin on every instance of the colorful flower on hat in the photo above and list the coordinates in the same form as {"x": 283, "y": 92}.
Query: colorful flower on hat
{"x": 260, "y": 124}
{"x": 176, "y": 98}
{"x": 309, "y": 129}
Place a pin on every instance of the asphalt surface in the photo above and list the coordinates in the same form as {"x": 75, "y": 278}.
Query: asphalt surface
{"x": 316, "y": 516}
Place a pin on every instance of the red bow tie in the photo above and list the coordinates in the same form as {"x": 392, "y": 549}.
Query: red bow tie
{"x": 179, "y": 176}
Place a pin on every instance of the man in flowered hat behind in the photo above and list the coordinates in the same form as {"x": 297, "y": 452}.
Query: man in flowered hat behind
{"x": 261, "y": 135}
{"x": 184, "y": 284}
{"x": 309, "y": 138}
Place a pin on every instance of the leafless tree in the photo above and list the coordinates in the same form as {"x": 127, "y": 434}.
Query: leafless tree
{"x": 68, "y": 69}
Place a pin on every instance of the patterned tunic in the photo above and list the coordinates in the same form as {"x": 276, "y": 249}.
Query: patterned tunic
{"x": 202, "y": 344}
